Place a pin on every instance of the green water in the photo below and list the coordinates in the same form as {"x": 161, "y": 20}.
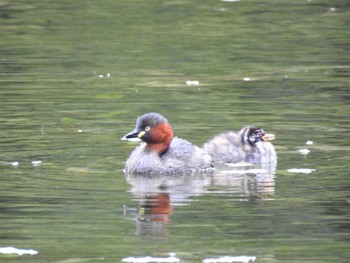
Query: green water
{"x": 283, "y": 65}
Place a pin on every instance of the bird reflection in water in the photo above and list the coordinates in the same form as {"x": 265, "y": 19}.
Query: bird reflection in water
{"x": 156, "y": 208}
{"x": 160, "y": 197}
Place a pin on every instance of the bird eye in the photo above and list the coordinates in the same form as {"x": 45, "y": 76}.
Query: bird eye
{"x": 147, "y": 128}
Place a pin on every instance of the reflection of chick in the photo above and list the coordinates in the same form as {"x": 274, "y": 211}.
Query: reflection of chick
{"x": 156, "y": 208}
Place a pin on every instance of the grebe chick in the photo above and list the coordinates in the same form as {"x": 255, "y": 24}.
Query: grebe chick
{"x": 251, "y": 144}
{"x": 162, "y": 153}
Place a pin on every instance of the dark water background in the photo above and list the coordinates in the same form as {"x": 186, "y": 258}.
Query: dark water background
{"x": 74, "y": 75}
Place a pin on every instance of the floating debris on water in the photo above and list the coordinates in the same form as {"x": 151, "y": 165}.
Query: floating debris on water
{"x": 309, "y": 142}
{"x": 230, "y": 1}
{"x": 15, "y": 164}
{"x": 18, "y": 251}
{"x": 36, "y": 163}
{"x": 172, "y": 258}
{"x": 108, "y": 75}
{"x": 243, "y": 259}
{"x": 247, "y": 79}
{"x": 304, "y": 151}
{"x": 192, "y": 82}
{"x": 80, "y": 130}
{"x": 301, "y": 170}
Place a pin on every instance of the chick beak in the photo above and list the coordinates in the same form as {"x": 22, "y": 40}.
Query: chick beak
{"x": 133, "y": 136}
{"x": 268, "y": 137}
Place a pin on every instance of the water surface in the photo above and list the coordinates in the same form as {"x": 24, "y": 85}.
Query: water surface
{"x": 76, "y": 74}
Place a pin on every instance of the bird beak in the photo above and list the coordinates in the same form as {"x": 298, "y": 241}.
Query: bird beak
{"x": 268, "y": 137}
{"x": 133, "y": 136}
